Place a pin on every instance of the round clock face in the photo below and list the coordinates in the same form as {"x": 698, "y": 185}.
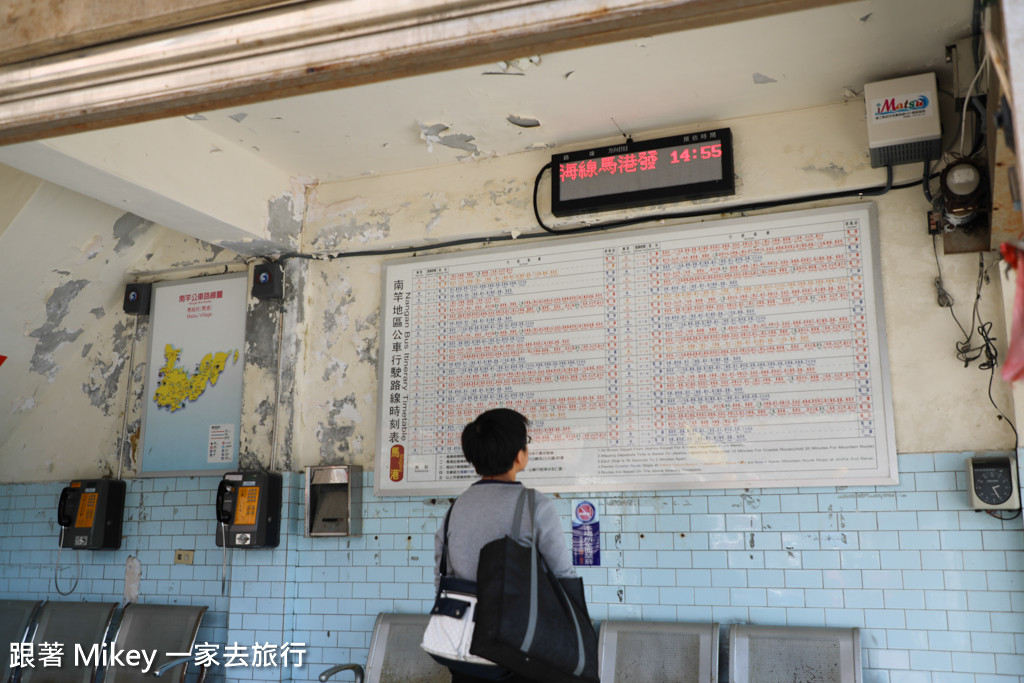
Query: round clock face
{"x": 992, "y": 485}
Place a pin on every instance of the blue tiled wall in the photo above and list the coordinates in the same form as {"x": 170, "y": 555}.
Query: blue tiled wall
{"x": 937, "y": 588}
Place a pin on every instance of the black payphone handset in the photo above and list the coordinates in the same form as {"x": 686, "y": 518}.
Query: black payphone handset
{"x": 249, "y": 509}
{"x": 64, "y": 516}
{"x": 225, "y": 501}
{"x": 90, "y": 513}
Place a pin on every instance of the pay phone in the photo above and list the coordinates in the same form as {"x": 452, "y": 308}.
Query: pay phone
{"x": 249, "y": 509}
{"x": 90, "y": 513}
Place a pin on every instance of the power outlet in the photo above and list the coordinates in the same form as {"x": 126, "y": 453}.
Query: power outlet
{"x": 184, "y": 556}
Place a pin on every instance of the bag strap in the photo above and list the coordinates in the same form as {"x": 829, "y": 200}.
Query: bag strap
{"x": 531, "y": 623}
{"x": 445, "y": 581}
{"x": 535, "y": 568}
{"x": 444, "y": 544}
{"x": 517, "y": 516}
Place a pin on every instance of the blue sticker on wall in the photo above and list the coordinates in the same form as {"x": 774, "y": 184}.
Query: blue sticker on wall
{"x": 586, "y": 534}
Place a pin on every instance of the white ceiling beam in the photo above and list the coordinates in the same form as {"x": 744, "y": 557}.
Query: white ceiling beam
{"x": 35, "y": 28}
{"x": 322, "y": 45}
{"x": 173, "y": 173}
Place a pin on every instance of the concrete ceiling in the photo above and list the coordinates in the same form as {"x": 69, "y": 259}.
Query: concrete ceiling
{"x": 748, "y": 68}
{"x": 676, "y": 81}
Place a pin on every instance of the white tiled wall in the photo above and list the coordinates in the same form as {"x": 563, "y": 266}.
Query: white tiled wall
{"x": 937, "y": 588}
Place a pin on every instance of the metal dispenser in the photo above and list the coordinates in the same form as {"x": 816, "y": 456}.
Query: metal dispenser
{"x": 334, "y": 500}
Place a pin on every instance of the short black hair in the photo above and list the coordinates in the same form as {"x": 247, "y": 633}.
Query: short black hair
{"x": 492, "y": 441}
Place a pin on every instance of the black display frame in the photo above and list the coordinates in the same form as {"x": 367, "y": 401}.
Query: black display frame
{"x": 722, "y": 187}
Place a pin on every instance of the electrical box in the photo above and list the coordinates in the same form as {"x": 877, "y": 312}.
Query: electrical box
{"x": 90, "y": 512}
{"x": 249, "y": 509}
{"x": 333, "y": 500}
{"x": 903, "y": 120}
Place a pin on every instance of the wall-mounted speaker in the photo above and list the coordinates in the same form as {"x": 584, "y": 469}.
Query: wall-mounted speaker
{"x": 268, "y": 281}
{"x": 136, "y": 298}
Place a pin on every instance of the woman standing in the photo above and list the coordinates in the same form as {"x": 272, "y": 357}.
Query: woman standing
{"x": 496, "y": 443}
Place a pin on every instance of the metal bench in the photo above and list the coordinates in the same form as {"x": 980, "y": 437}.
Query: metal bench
{"x": 72, "y": 624}
{"x": 783, "y": 654}
{"x": 658, "y": 652}
{"x": 395, "y": 655}
{"x": 170, "y": 630}
{"x": 16, "y": 617}
{"x": 83, "y": 629}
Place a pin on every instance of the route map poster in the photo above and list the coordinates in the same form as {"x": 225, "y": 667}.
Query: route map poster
{"x": 740, "y": 353}
{"x": 193, "y": 400}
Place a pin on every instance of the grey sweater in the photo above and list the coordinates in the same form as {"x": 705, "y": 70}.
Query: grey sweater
{"x": 483, "y": 513}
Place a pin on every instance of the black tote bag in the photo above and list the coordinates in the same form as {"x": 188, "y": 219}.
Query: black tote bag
{"x": 527, "y": 619}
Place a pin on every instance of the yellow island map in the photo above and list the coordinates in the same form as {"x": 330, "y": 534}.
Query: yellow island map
{"x": 177, "y": 387}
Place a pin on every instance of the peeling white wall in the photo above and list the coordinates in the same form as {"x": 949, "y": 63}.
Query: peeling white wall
{"x": 65, "y": 259}
{"x": 64, "y": 262}
{"x": 939, "y": 405}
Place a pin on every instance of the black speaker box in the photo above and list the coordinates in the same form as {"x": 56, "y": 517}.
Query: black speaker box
{"x": 136, "y": 298}
{"x": 268, "y": 281}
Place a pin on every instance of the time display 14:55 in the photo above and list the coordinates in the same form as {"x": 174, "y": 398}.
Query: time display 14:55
{"x": 712, "y": 151}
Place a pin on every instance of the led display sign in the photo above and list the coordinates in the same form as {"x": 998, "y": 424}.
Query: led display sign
{"x": 674, "y": 169}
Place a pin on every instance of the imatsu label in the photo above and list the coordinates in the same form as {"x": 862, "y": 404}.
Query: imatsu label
{"x": 908, "y": 107}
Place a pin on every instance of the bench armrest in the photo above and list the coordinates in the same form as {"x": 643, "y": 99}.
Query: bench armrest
{"x": 358, "y": 670}
{"x": 167, "y": 666}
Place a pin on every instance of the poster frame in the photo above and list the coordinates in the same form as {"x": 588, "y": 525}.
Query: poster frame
{"x": 865, "y": 211}
{"x": 154, "y": 463}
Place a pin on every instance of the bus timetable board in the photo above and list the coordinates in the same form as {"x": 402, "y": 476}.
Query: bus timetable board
{"x": 730, "y": 354}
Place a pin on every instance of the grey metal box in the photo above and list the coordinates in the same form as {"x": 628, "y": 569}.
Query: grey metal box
{"x": 334, "y": 500}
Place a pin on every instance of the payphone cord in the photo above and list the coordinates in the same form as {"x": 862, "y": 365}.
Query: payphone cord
{"x": 56, "y": 569}
{"x": 221, "y": 526}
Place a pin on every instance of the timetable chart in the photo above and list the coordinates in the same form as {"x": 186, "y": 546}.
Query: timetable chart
{"x": 737, "y": 353}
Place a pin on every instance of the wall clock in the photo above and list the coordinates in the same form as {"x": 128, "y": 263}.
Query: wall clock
{"x": 992, "y": 483}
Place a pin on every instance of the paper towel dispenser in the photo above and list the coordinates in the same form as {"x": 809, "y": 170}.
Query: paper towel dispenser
{"x": 333, "y": 500}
